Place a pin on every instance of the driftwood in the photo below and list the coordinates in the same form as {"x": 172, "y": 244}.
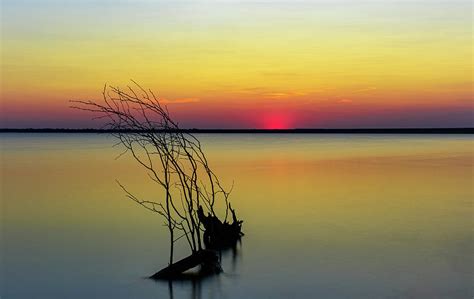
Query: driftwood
{"x": 217, "y": 234}
{"x": 206, "y": 259}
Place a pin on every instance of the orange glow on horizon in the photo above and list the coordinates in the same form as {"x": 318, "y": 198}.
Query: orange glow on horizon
{"x": 277, "y": 120}
{"x": 289, "y": 65}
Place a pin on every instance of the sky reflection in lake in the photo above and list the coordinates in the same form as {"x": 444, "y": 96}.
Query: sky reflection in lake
{"x": 331, "y": 216}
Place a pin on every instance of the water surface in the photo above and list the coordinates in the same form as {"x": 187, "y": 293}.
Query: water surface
{"x": 326, "y": 216}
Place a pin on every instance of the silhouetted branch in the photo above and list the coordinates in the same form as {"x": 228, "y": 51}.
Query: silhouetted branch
{"x": 172, "y": 158}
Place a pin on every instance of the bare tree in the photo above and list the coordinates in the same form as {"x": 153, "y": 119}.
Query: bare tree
{"x": 173, "y": 158}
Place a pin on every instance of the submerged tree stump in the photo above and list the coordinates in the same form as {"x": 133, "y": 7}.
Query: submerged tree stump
{"x": 217, "y": 234}
{"x": 175, "y": 160}
{"x": 208, "y": 260}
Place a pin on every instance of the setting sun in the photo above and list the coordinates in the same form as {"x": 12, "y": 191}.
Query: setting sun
{"x": 277, "y": 120}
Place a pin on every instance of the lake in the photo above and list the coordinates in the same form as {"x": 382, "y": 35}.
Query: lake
{"x": 325, "y": 216}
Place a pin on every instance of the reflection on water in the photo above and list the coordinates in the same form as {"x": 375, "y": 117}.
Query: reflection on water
{"x": 194, "y": 284}
{"x": 327, "y": 216}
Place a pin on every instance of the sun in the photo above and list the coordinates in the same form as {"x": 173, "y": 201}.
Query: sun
{"x": 276, "y": 120}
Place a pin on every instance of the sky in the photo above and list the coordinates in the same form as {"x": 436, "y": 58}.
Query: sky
{"x": 242, "y": 64}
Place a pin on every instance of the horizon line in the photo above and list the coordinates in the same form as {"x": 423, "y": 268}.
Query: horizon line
{"x": 438, "y": 130}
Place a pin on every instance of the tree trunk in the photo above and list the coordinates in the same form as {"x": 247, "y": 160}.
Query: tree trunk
{"x": 208, "y": 260}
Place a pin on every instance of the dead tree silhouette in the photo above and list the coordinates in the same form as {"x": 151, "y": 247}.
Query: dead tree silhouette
{"x": 195, "y": 205}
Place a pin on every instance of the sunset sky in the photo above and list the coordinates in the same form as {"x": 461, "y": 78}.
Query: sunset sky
{"x": 243, "y": 64}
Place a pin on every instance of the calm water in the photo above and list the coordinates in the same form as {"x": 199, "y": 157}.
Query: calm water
{"x": 326, "y": 216}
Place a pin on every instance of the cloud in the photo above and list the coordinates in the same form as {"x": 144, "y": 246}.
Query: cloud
{"x": 272, "y": 95}
{"x": 180, "y": 100}
{"x": 283, "y": 95}
{"x": 252, "y": 90}
{"x": 344, "y": 101}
